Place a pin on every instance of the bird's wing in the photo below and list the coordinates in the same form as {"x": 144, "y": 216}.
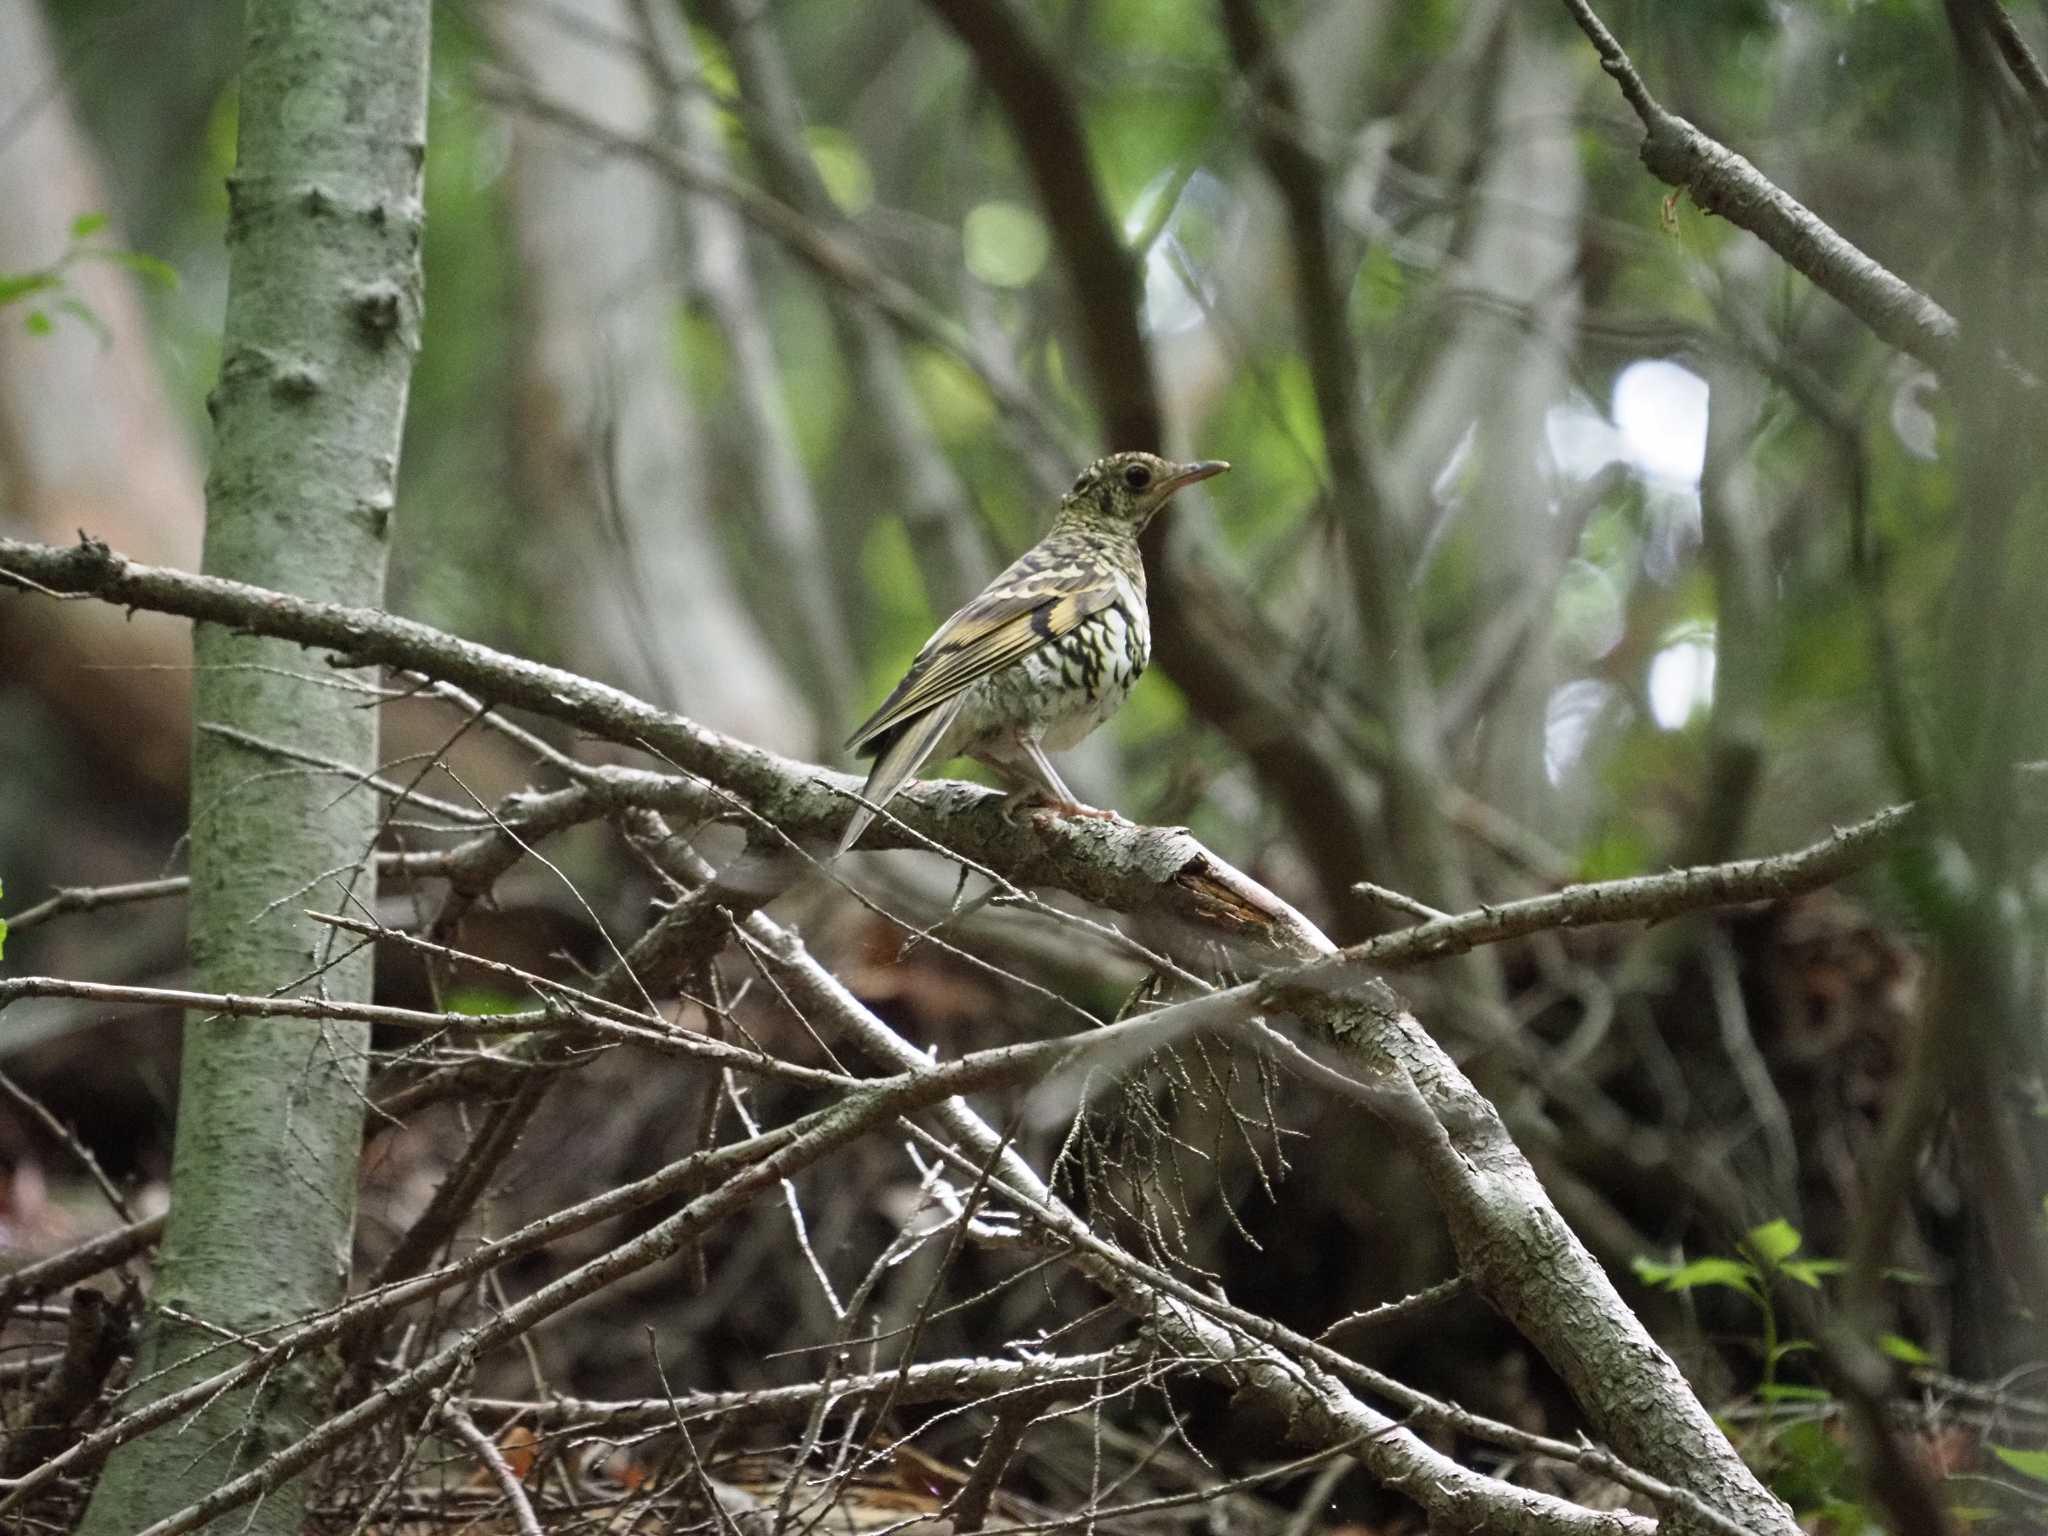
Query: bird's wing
{"x": 1020, "y": 611}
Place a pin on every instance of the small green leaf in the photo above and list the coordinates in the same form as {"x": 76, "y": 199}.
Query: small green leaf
{"x": 1709, "y": 1271}
{"x": 2032, "y": 1464}
{"x": 843, "y": 169}
{"x": 1774, "y": 1241}
{"x": 1808, "y": 1271}
{"x": 38, "y": 323}
{"x": 19, "y": 285}
{"x": 86, "y": 225}
{"x": 145, "y": 266}
{"x": 1903, "y": 1349}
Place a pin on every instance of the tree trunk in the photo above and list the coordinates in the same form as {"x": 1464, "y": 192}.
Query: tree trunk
{"x": 322, "y": 322}
{"x": 601, "y": 412}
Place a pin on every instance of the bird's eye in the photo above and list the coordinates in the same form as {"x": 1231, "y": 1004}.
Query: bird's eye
{"x": 1137, "y": 477}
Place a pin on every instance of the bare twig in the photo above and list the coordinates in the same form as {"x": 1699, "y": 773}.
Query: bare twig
{"x": 69, "y": 1140}
{"x": 494, "y": 1462}
{"x": 90, "y": 898}
{"x": 1399, "y": 1311}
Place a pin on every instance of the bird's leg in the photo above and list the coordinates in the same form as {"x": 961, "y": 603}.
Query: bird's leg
{"x": 1036, "y": 786}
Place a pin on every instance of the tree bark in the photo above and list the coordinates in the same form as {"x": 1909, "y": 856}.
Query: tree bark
{"x": 323, "y": 318}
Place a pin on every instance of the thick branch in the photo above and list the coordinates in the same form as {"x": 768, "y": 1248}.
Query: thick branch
{"x": 1119, "y": 866}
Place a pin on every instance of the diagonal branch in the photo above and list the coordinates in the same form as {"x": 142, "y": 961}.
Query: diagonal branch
{"x": 1723, "y": 182}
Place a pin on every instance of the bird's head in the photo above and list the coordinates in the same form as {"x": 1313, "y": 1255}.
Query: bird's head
{"x": 1127, "y": 488}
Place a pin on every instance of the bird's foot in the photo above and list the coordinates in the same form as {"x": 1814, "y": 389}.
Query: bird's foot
{"x": 1038, "y": 806}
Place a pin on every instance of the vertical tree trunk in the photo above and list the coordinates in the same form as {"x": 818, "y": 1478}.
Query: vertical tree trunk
{"x": 601, "y": 408}
{"x": 322, "y": 322}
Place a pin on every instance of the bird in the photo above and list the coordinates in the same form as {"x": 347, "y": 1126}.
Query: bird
{"x": 1048, "y": 651}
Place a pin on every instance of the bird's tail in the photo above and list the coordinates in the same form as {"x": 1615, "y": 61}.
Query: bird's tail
{"x": 897, "y": 762}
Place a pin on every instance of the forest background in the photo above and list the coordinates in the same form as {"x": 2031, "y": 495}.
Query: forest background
{"x": 1612, "y": 496}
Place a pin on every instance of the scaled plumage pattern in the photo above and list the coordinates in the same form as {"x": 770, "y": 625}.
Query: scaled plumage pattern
{"x": 1046, "y": 653}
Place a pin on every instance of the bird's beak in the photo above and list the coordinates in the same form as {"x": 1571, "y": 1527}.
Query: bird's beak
{"x": 1188, "y": 474}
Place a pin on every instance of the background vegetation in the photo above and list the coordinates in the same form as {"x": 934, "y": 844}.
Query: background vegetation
{"x": 1575, "y": 532}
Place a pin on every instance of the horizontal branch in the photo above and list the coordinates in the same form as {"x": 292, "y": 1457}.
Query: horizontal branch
{"x": 655, "y": 1034}
{"x": 1646, "y": 898}
{"x": 1116, "y": 865}
{"x": 936, "y": 1381}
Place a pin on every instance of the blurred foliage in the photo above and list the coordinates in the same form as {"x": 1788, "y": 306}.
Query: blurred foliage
{"x": 1467, "y": 148}
{"x": 1839, "y": 100}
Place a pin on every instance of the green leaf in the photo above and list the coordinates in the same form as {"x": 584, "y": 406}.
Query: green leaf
{"x": 38, "y": 323}
{"x": 1903, "y": 1349}
{"x": 1774, "y": 1241}
{"x": 145, "y": 266}
{"x": 843, "y": 169}
{"x": 2032, "y": 1464}
{"x": 19, "y": 285}
{"x": 1808, "y": 1271}
{"x": 1732, "y": 1273}
{"x": 86, "y": 225}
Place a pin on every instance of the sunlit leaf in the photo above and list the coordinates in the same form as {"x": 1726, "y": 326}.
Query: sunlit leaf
{"x": 142, "y": 264}
{"x": 1774, "y": 1241}
{"x": 843, "y": 169}
{"x": 1732, "y": 1273}
{"x": 2032, "y": 1464}
{"x": 19, "y": 285}
{"x": 86, "y": 225}
{"x": 1808, "y": 1272}
{"x": 1904, "y": 1349}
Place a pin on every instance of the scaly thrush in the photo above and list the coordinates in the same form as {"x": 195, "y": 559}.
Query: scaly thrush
{"x": 1044, "y": 655}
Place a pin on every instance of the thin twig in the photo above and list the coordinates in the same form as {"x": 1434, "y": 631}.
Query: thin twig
{"x": 494, "y": 1461}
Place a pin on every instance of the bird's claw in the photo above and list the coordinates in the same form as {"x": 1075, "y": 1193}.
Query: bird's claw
{"x": 1040, "y": 807}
